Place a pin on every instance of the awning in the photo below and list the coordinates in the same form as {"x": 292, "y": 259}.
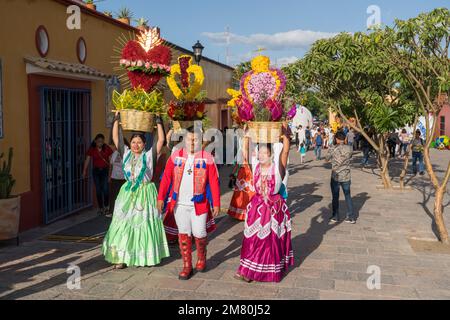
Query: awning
{"x": 50, "y": 67}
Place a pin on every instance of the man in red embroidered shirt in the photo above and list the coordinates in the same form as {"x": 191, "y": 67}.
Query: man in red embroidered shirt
{"x": 188, "y": 173}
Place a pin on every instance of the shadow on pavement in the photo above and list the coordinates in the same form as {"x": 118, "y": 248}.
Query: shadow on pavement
{"x": 306, "y": 243}
{"x": 302, "y": 197}
{"x": 56, "y": 259}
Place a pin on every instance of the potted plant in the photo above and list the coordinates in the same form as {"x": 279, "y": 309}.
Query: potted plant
{"x": 260, "y": 101}
{"x": 137, "y": 108}
{"x": 9, "y": 205}
{"x": 142, "y": 24}
{"x": 108, "y": 14}
{"x": 90, "y": 4}
{"x": 125, "y": 15}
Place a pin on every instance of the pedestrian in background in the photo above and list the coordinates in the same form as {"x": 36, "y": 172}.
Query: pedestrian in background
{"x": 392, "y": 141}
{"x": 340, "y": 156}
{"x": 351, "y": 138}
{"x": 100, "y": 153}
{"x": 308, "y": 138}
{"x": 417, "y": 146}
{"x": 404, "y": 143}
{"x": 318, "y": 142}
{"x": 116, "y": 178}
{"x": 302, "y": 151}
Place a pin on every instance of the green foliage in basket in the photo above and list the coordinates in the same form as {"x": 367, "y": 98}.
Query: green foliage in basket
{"x": 201, "y": 96}
{"x": 139, "y": 99}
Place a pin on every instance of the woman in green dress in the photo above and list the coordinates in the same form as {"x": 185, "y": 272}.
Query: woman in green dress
{"x": 136, "y": 235}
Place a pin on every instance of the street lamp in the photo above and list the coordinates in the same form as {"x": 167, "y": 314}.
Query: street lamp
{"x": 198, "y": 50}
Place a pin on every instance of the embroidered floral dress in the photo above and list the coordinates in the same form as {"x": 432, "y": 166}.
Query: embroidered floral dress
{"x": 266, "y": 249}
{"x": 136, "y": 235}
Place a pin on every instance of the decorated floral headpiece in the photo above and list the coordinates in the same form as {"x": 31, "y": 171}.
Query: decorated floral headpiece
{"x": 190, "y": 104}
{"x": 261, "y": 91}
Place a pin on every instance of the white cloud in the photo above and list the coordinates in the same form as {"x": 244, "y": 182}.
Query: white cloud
{"x": 293, "y": 39}
{"x": 281, "y": 62}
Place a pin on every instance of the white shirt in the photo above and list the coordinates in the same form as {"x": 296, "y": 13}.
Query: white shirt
{"x": 116, "y": 163}
{"x": 186, "y": 192}
{"x": 149, "y": 160}
{"x": 301, "y": 135}
{"x": 277, "y": 148}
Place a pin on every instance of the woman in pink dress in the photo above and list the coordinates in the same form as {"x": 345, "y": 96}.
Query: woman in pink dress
{"x": 266, "y": 252}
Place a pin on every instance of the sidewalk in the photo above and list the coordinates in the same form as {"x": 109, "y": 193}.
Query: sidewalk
{"x": 331, "y": 259}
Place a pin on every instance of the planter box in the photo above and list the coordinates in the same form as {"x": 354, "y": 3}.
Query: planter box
{"x": 9, "y": 218}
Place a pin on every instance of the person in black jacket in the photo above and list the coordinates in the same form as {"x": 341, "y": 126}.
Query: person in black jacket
{"x": 392, "y": 141}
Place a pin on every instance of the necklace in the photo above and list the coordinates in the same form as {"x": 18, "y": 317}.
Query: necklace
{"x": 134, "y": 161}
{"x": 190, "y": 166}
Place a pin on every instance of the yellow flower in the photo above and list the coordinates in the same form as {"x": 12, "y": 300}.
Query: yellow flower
{"x": 199, "y": 114}
{"x": 194, "y": 89}
{"x": 260, "y": 64}
{"x": 173, "y": 86}
{"x": 234, "y": 93}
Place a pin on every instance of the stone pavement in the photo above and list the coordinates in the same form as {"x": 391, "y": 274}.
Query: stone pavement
{"x": 331, "y": 260}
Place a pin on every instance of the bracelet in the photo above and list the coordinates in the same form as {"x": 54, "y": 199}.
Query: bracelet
{"x": 158, "y": 120}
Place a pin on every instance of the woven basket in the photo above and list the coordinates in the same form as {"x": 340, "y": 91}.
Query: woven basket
{"x": 265, "y": 132}
{"x": 134, "y": 120}
{"x": 180, "y": 125}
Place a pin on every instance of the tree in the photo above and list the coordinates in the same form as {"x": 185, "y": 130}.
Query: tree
{"x": 350, "y": 76}
{"x": 297, "y": 91}
{"x": 239, "y": 71}
{"x": 294, "y": 87}
{"x": 418, "y": 48}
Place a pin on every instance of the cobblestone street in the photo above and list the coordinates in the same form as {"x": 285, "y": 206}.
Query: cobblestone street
{"x": 331, "y": 259}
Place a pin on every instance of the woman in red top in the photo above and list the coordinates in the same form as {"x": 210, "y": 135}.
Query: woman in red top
{"x": 100, "y": 153}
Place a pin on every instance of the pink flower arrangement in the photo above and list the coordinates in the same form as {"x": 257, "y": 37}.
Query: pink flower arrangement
{"x": 144, "y": 66}
{"x": 275, "y": 108}
{"x": 260, "y": 97}
{"x": 245, "y": 109}
{"x": 261, "y": 87}
{"x": 292, "y": 113}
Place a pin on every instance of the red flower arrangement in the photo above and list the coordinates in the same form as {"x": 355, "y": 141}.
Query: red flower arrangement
{"x": 186, "y": 111}
{"x": 145, "y": 63}
{"x": 184, "y": 65}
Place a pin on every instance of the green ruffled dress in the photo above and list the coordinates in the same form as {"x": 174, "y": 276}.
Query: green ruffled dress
{"x": 136, "y": 235}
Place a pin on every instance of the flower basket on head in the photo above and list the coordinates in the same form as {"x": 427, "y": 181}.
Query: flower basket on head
{"x": 265, "y": 132}
{"x": 137, "y": 108}
{"x": 133, "y": 120}
{"x": 180, "y": 125}
{"x": 189, "y": 106}
{"x": 260, "y": 103}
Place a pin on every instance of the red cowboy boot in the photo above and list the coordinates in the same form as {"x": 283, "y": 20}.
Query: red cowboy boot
{"x": 185, "y": 242}
{"x": 201, "y": 243}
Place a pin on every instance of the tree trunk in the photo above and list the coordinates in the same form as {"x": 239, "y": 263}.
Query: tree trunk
{"x": 384, "y": 163}
{"x": 404, "y": 170}
{"x": 384, "y": 159}
{"x": 439, "y": 196}
{"x": 439, "y": 215}
{"x": 406, "y": 160}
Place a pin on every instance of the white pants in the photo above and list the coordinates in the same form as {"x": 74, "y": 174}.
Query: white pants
{"x": 189, "y": 223}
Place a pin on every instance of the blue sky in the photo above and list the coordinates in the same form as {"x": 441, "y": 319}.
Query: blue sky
{"x": 286, "y": 28}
